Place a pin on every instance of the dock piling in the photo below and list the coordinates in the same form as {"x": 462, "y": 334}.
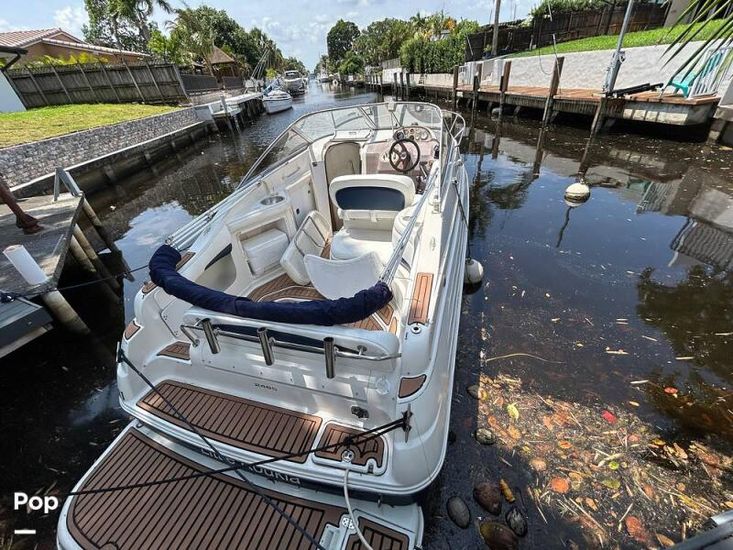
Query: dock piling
{"x": 64, "y": 313}
{"x": 394, "y": 87}
{"x": 402, "y": 85}
{"x": 94, "y": 258}
{"x": 476, "y": 88}
{"x": 503, "y": 87}
{"x": 455, "y": 87}
{"x": 554, "y": 85}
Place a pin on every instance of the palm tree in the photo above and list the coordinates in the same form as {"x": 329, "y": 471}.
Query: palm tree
{"x": 196, "y": 35}
{"x": 136, "y": 12}
{"x": 703, "y": 12}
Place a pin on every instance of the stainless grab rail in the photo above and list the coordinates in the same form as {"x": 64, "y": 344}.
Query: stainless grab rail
{"x": 329, "y": 350}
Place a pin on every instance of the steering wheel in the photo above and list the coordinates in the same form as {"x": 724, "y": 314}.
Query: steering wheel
{"x": 400, "y": 157}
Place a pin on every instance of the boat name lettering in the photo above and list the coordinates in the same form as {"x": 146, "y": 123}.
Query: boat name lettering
{"x": 277, "y": 476}
{"x": 265, "y": 387}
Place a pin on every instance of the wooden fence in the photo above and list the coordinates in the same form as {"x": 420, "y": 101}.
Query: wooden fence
{"x": 563, "y": 27}
{"x": 98, "y": 83}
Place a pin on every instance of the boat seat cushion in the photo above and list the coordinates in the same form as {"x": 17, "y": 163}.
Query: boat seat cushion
{"x": 352, "y": 242}
{"x": 343, "y": 278}
{"x": 371, "y": 201}
{"x": 310, "y": 238}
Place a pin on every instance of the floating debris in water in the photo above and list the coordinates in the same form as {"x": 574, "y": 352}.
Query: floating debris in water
{"x": 477, "y": 392}
{"x": 458, "y": 512}
{"x": 485, "y": 436}
{"x": 516, "y": 521}
{"x": 488, "y": 495}
{"x": 498, "y": 536}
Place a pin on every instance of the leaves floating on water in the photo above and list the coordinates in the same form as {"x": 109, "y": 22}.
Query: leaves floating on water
{"x": 613, "y": 484}
{"x": 560, "y": 485}
{"x": 516, "y": 521}
{"x": 458, "y": 512}
{"x": 512, "y": 411}
{"x": 506, "y": 491}
{"x": 609, "y": 417}
{"x": 670, "y": 390}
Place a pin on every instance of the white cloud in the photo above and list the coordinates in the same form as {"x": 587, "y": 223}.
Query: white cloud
{"x": 71, "y": 19}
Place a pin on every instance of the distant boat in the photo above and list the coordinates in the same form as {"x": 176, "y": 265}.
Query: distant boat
{"x": 323, "y": 77}
{"x": 277, "y": 100}
{"x": 294, "y": 82}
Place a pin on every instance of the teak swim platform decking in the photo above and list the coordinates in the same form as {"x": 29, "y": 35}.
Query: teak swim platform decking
{"x": 215, "y": 511}
{"x": 267, "y": 430}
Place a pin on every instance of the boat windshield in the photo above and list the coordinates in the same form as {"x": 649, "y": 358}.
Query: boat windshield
{"x": 314, "y": 126}
{"x": 292, "y": 74}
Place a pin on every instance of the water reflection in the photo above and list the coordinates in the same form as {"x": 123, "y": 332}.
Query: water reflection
{"x": 641, "y": 268}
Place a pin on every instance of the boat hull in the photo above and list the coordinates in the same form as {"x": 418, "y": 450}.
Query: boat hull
{"x": 277, "y": 105}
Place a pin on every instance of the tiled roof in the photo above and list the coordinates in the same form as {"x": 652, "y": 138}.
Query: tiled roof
{"x": 18, "y": 39}
{"x": 90, "y": 47}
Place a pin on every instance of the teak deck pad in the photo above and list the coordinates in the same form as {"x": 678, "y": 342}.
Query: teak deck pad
{"x": 206, "y": 512}
{"x": 333, "y": 434}
{"x": 244, "y": 424}
{"x": 284, "y": 288}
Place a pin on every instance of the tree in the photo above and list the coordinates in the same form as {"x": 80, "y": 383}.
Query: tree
{"x": 322, "y": 65}
{"x": 702, "y": 13}
{"x": 105, "y": 30}
{"x": 293, "y": 64}
{"x": 422, "y": 53}
{"x": 168, "y": 48}
{"x": 340, "y": 39}
{"x": 382, "y": 40}
{"x": 195, "y": 35}
{"x": 352, "y": 63}
{"x": 137, "y": 12}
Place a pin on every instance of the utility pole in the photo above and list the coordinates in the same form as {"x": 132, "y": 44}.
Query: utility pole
{"x": 495, "y": 36}
{"x": 618, "y": 55}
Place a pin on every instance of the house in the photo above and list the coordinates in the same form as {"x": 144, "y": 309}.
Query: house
{"x": 60, "y": 44}
{"x": 9, "y": 100}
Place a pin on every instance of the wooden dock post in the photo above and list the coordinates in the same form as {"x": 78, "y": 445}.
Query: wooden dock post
{"x": 554, "y": 85}
{"x": 62, "y": 310}
{"x": 80, "y": 256}
{"x": 407, "y": 86}
{"x": 94, "y": 258}
{"x": 394, "y": 87}
{"x": 381, "y": 84}
{"x": 402, "y": 85}
{"x": 503, "y": 87}
{"x": 599, "y": 117}
{"x": 63, "y": 176}
{"x": 455, "y": 87}
{"x": 476, "y": 88}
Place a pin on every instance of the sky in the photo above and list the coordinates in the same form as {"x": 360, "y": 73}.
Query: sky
{"x": 298, "y": 26}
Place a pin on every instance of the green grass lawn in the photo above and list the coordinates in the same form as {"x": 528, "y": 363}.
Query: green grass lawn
{"x": 46, "y": 122}
{"x": 664, "y": 35}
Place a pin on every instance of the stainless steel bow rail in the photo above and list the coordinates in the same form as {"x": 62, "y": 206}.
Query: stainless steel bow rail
{"x": 330, "y": 350}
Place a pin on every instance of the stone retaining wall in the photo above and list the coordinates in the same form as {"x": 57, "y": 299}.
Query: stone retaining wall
{"x": 22, "y": 163}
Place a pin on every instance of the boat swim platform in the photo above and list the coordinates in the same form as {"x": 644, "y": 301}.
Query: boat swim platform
{"x": 213, "y": 511}
{"x": 254, "y": 426}
{"x": 666, "y": 108}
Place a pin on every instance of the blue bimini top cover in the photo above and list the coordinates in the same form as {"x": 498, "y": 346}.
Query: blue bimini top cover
{"x": 314, "y": 312}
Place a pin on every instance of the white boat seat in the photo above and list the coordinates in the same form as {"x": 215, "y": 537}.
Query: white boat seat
{"x": 343, "y": 278}
{"x": 371, "y": 201}
{"x": 352, "y": 242}
{"x": 310, "y": 238}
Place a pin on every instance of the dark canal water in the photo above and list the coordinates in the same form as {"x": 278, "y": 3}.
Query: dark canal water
{"x": 642, "y": 267}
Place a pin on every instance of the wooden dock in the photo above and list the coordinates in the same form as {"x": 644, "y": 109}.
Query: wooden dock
{"x": 48, "y": 248}
{"x": 22, "y": 320}
{"x": 649, "y": 106}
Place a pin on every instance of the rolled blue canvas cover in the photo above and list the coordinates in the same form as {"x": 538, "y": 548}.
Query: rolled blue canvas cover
{"x": 313, "y": 312}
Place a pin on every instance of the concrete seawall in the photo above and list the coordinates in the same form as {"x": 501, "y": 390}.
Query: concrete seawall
{"x": 32, "y": 161}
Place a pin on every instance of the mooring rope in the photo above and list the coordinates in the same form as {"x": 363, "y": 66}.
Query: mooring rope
{"x": 372, "y": 434}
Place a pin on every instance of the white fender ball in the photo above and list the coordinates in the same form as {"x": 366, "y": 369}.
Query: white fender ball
{"x": 474, "y": 272}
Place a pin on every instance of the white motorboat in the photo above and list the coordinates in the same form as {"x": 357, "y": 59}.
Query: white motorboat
{"x": 277, "y": 100}
{"x": 293, "y": 82}
{"x": 310, "y": 319}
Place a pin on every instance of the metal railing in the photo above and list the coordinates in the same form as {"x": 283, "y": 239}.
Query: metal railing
{"x": 330, "y": 350}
